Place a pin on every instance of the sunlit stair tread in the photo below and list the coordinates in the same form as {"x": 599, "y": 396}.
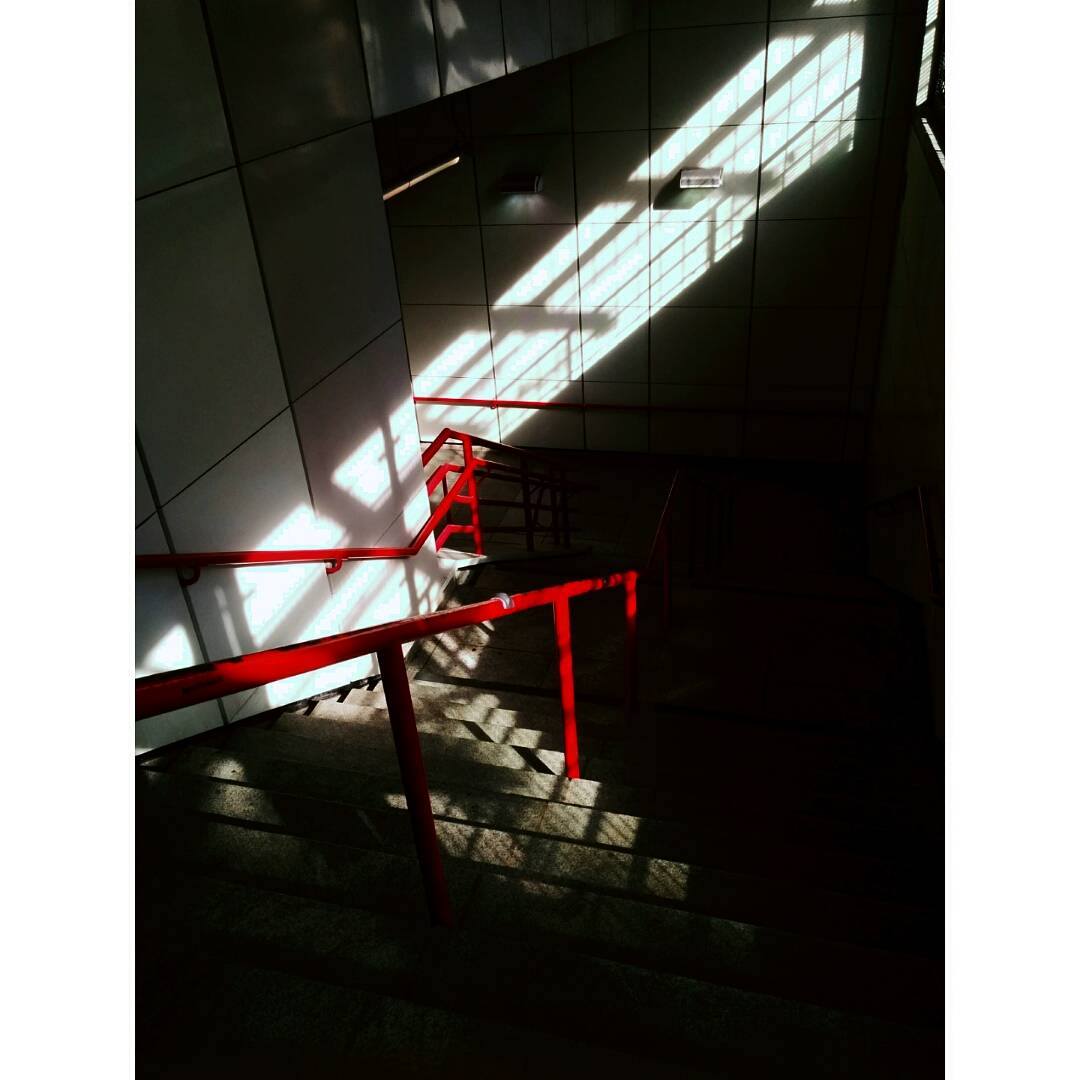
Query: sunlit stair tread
{"x": 474, "y": 765}
{"x": 441, "y": 720}
{"x": 376, "y": 761}
{"x": 738, "y": 896}
{"x": 538, "y": 983}
{"x": 334, "y": 721}
{"x": 783, "y": 851}
{"x": 479, "y": 703}
{"x": 450, "y": 758}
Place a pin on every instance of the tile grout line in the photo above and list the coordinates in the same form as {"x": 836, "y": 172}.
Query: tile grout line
{"x": 167, "y": 533}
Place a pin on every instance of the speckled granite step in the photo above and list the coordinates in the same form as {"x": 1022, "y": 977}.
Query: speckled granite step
{"x": 324, "y": 825}
{"x": 539, "y": 984}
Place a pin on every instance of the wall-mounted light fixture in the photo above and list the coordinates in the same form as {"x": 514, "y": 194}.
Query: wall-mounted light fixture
{"x": 701, "y": 178}
{"x": 419, "y": 179}
{"x": 521, "y": 184}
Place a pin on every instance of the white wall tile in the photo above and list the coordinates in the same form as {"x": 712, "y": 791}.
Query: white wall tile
{"x": 292, "y": 70}
{"x": 624, "y": 431}
{"x": 819, "y": 169}
{"x": 448, "y": 341}
{"x": 827, "y": 69}
{"x": 548, "y": 156}
{"x": 702, "y": 264}
{"x": 568, "y": 26}
{"x": 257, "y": 498}
{"x": 527, "y": 32}
{"x": 207, "y": 369}
{"x": 318, "y": 216}
{"x": 531, "y": 102}
{"x": 601, "y": 19}
{"x": 614, "y": 265}
{"x": 611, "y": 86}
{"x": 531, "y": 265}
{"x": 399, "y": 50}
{"x": 735, "y": 150}
{"x": 700, "y": 345}
{"x": 360, "y": 444}
{"x": 674, "y": 13}
{"x": 180, "y": 130}
{"x": 476, "y": 419}
{"x": 612, "y": 177}
{"x": 615, "y": 344}
{"x": 439, "y": 265}
{"x": 535, "y": 343}
{"x": 810, "y": 263}
{"x": 164, "y": 641}
{"x": 470, "y": 42}
{"x": 559, "y": 428}
{"x": 827, "y": 9}
{"x": 708, "y": 76}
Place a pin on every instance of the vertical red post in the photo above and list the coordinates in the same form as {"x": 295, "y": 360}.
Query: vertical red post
{"x": 566, "y": 685}
{"x": 525, "y": 508}
{"x": 631, "y": 646}
{"x": 414, "y": 780}
{"x": 473, "y": 494}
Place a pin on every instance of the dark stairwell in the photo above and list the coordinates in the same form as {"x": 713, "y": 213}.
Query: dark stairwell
{"x": 746, "y": 881}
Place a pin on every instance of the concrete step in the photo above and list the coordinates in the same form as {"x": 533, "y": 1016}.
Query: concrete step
{"x": 733, "y": 767}
{"x": 757, "y": 853}
{"x": 344, "y": 831}
{"x": 352, "y": 737}
{"x": 829, "y": 821}
{"x": 438, "y": 720}
{"x": 537, "y": 982}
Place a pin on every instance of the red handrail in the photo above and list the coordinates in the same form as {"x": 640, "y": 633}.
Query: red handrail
{"x": 464, "y": 489}
{"x": 171, "y": 690}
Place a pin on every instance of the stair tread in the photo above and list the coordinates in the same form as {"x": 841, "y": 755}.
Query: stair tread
{"x": 342, "y": 831}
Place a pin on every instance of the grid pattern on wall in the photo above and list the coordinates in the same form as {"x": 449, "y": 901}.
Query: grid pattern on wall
{"x": 762, "y": 300}
{"x": 273, "y": 399}
{"x": 418, "y": 50}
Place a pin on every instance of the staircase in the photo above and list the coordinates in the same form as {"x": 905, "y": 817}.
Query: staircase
{"x": 745, "y": 882}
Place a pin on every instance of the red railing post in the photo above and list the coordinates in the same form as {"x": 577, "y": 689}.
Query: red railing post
{"x": 414, "y": 780}
{"x": 566, "y": 685}
{"x": 631, "y": 646}
{"x": 473, "y": 495}
{"x": 525, "y": 505}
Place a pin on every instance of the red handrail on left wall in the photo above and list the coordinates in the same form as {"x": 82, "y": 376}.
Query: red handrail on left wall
{"x": 464, "y": 489}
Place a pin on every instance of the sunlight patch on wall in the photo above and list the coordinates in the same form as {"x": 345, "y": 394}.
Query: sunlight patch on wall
{"x": 269, "y": 593}
{"x": 172, "y": 651}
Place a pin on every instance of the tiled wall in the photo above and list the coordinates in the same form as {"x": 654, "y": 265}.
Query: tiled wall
{"x": 762, "y": 299}
{"x": 419, "y": 49}
{"x": 273, "y": 399}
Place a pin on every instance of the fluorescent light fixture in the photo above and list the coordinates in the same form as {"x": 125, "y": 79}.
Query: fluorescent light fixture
{"x": 521, "y": 184}
{"x": 701, "y": 178}
{"x": 419, "y": 179}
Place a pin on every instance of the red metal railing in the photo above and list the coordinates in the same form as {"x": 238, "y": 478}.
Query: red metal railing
{"x": 175, "y": 689}
{"x": 460, "y": 484}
